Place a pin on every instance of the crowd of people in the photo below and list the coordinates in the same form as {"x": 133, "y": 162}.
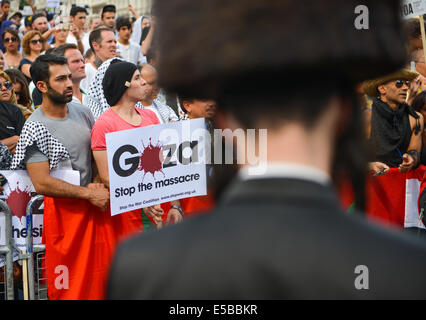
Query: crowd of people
{"x": 68, "y": 80}
{"x": 66, "y": 86}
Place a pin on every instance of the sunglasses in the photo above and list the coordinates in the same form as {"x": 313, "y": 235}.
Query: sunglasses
{"x": 400, "y": 83}
{"x": 35, "y": 41}
{"x": 7, "y": 85}
{"x": 10, "y": 39}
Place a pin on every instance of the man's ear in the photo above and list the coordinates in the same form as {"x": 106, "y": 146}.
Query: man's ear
{"x": 42, "y": 86}
{"x": 382, "y": 89}
{"x": 95, "y": 45}
{"x": 187, "y": 106}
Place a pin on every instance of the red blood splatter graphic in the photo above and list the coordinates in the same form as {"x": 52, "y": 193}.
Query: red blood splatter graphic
{"x": 18, "y": 200}
{"x": 151, "y": 159}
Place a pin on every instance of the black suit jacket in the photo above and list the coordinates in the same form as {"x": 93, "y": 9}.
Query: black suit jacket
{"x": 271, "y": 239}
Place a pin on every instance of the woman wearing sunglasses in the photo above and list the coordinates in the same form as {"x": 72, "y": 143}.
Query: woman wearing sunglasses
{"x": 7, "y": 93}
{"x": 32, "y": 45}
{"x": 11, "y": 43}
{"x": 22, "y": 92}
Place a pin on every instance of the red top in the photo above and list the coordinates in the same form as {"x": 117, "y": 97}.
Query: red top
{"x": 110, "y": 121}
{"x": 127, "y": 223}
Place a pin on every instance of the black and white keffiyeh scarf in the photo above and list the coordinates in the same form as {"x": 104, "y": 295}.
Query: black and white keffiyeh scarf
{"x": 166, "y": 113}
{"x": 36, "y": 132}
{"x": 95, "y": 94}
{"x": 97, "y": 103}
{"x": 5, "y": 157}
{"x": 391, "y": 131}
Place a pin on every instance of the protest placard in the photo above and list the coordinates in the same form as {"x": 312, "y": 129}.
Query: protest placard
{"x": 412, "y": 8}
{"x": 17, "y": 193}
{"x": 53, "y": 3}
{"x": 156, "y": 164}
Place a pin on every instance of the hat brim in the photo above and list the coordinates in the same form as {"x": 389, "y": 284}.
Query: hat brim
{"x": 370, "y": 86}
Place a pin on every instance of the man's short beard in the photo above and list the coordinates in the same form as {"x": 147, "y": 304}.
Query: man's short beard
{"x": 57, "y": 97}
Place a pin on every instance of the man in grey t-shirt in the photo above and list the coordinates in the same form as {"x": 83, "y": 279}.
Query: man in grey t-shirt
{"x": 73, "y": 131}
{"x": 62, "y": 132}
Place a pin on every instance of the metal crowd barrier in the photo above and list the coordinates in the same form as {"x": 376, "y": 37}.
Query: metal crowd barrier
{"x": 36, "y": 266}
{"x": 7, "y": 252}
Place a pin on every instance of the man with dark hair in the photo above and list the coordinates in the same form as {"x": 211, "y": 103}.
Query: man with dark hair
{"x": 278, "y": 230}
{"x": 77, "y": 67}
{"x": 78, "y": 19}
{"x": 197, "y": 108}
{"x": 103, "y": 43}
{"x": 57, "y": 136}
{"x": 60, "y": 116}
{"x": 194, "y": 109}
{"x": 129, "y": 51}
{"x": 108, "y": 15}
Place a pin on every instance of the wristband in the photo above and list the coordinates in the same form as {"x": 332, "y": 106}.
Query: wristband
{"x": 177, "y": 208}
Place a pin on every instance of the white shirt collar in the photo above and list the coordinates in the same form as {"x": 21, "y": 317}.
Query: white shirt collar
{"x": 284, "y": 170}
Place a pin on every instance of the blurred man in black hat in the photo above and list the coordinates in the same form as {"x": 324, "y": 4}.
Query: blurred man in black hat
{"x": 278, "y": 230}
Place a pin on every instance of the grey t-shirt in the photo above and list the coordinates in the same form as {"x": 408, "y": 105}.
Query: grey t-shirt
{"x": 73, "y": 132}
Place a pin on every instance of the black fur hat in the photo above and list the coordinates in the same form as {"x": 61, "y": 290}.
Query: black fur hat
{"x": 222, "y": 42}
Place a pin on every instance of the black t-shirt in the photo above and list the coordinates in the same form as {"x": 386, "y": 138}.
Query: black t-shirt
{"x": 11, "y": 120}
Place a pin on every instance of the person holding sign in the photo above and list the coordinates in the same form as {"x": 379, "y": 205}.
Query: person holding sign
{"x": 278, "y": 230}
{"x": 196, "y": 108}
{"x": 123, "y": 87}
{"x": 77, "y": 230}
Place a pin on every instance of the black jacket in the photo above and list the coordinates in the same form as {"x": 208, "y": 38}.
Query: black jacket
{"x": 271, "y": 239}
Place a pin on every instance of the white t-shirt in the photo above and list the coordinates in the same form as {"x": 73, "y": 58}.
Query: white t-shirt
{"x": 90, "y": 75}
{"x": 72, "y": 39}
{"x": 83, "y": 98}
{"x": 85, "y": 41}
{"x": 153, "y": 109}
{"x": 131, "y": 53}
